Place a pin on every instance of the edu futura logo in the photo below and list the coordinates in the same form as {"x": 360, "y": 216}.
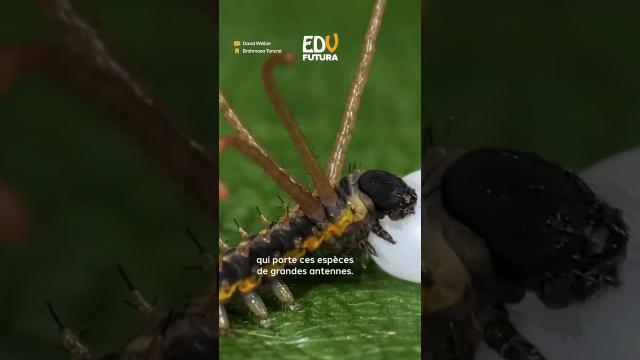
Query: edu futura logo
{"x": 319, "y": 48}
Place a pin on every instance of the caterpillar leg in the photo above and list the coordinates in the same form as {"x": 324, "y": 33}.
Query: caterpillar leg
{"x": 283, "y": 294}
{"x": 377, "y": 229}
{"x": 502, "y": 336}
{"x": 257, "y": 307}
{"x": 223, "y": 319}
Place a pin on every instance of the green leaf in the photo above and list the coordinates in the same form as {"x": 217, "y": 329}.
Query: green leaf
{"x": 376, "y": 317}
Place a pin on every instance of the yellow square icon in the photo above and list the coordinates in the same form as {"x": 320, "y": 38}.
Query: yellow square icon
{"x": 236, "y": 43}
{"x": 237, "y": 51}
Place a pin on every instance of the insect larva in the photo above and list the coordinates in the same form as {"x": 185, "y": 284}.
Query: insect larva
{"x": 340, "y": 211}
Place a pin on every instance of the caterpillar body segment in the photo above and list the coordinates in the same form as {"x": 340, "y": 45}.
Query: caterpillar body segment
{"x": 296, "y": 235}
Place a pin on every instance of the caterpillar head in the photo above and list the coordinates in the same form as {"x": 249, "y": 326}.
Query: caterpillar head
{"x": 390, "y": 195}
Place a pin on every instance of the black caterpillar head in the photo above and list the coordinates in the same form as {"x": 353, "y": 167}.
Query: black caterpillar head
{"x": 544, "y": 227}
{"x": 390, "y": 195}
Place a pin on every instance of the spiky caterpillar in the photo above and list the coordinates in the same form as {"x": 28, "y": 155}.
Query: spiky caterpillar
{"x": 341, "y": 211}
{"x": 189, "y": 334}
{"x": 363, "y": 199}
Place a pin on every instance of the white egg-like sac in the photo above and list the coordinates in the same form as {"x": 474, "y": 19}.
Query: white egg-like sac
{"x": 606, "y": 326}
{"x": 402, "y": 259}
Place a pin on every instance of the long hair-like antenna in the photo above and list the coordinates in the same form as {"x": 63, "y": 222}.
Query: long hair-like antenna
{"x": 246, "y": 143}
{"x": 326, "y": 193}
{"x": 352, "y": 105}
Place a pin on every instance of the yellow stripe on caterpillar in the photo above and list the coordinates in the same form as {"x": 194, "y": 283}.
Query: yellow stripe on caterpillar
{"x": 354, "y": 211}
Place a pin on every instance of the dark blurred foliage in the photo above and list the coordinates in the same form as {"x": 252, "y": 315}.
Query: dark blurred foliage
{"x": 92, "y": 195}
{"x": 559, "y": 78}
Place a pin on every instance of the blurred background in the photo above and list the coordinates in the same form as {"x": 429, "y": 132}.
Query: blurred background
{"x": 379, "y": 316}
{"x": 93, "y": 197}
{"x": 559, "y": 78}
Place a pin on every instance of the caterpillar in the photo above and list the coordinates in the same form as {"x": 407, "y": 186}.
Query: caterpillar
{"x": 341, "y": 210}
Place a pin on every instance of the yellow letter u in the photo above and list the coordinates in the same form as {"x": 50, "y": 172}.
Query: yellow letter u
{"x": 335, "y": 44}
